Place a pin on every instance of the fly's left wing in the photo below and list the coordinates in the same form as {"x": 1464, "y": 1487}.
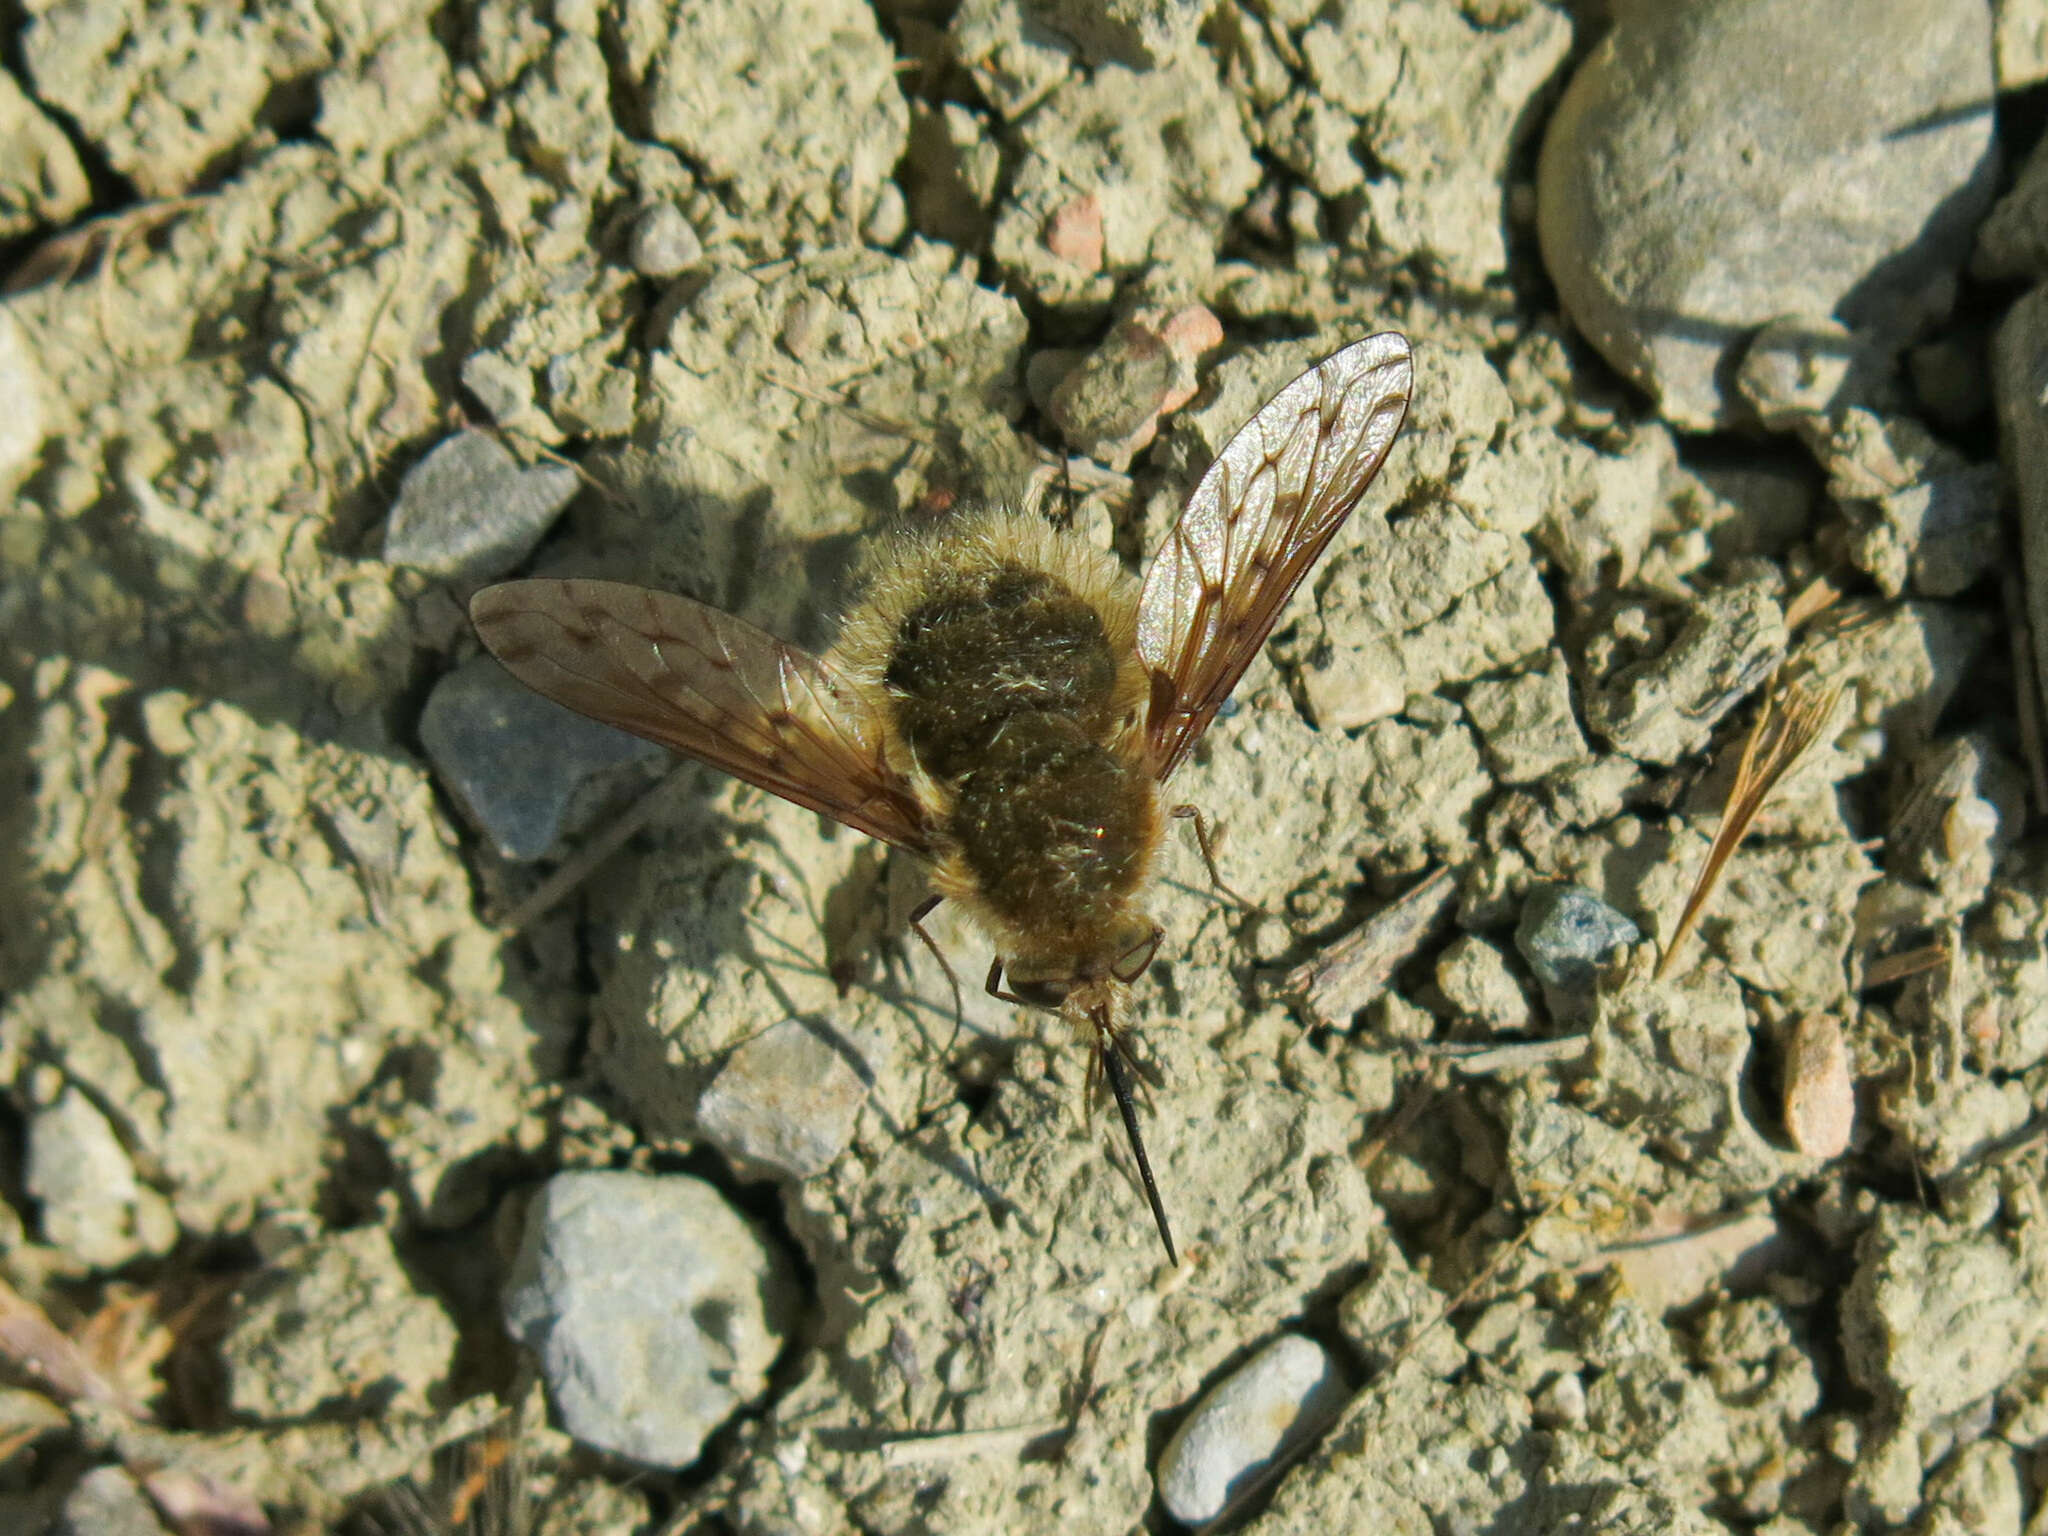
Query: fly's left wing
{"x": 1258, "y": 521}
{"x": 707, "y": 685}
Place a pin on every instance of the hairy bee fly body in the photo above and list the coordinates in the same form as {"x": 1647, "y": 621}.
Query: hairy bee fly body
{"x": 1007, "y": 701}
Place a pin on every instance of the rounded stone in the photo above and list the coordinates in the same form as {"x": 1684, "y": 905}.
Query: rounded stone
{"x": 468, "y": 511}
{"x": 662, "y": 243}
{"x": 785, "y": 1099}
{"x": 656, "y": 1310}
{"x": 1281, "y": 1396}
{"x": 1713, "y": 166}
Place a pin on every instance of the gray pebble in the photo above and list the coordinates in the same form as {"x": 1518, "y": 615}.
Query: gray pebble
{"x": 1565, "y": 934}
{"x": 107, "y": 1501}
{"x": 91, "y": 1202}
{"x": 1715, "y": 165}
{"x": 662, "y": 243}
{"x": 468, "y": 511}
{"x": 786, "y": 1098}
{"x": 520, "y": 765}
{"x": 504, "y": 388}
{"x": 655, "y": 1308}
{"x": 1280, "y": 1397}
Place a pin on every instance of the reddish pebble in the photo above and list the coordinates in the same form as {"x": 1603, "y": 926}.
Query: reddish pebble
{"x": 1820, "y": 1093}
{"x": 1187, "y": 334}
{"x": 1074, "y": 233}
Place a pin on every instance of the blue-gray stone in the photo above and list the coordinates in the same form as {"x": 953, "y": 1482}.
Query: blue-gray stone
{"x": 656, "y": 1309}
{"x": 521, "y": 766}
{"x": 1566, "y": 934}
{"x": 469, "y": 511}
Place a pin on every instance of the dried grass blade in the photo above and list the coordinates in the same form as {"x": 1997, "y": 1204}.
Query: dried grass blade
{"x": 1815, "y": 598}
{"x": 1786, "y": 727}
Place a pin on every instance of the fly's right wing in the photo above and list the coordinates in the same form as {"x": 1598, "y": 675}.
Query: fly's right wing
{"x": 1256, "y": 523}
{"x": 707, "y": 685}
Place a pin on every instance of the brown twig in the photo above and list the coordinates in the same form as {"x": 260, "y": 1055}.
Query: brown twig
{"x": 1890, "y": 968}
{"x": 1354, "y": 970}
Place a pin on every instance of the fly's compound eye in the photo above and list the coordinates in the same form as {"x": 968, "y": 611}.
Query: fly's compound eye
{"x": 1048, "y": 993}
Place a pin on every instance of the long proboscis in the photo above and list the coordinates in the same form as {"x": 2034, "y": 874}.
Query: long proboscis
{"x": 1109, "y": 1051}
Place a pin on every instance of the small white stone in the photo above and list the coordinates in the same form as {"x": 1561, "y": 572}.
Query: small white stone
{"x": 1562, "y": 1404}
{"x": 1278, "y": 1398}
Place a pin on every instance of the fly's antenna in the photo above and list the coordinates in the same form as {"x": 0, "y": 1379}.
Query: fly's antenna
{"x": 1109, "y": 1052}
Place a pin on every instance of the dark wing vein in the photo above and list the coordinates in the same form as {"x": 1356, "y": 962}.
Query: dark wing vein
{"x": 707, "y": 685}
{"x": 1259, "y": 520}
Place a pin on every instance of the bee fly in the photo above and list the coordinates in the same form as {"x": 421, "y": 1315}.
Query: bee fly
{"x": 1006, "y": 701}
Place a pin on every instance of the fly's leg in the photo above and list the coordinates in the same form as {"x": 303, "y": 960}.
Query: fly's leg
{"x": 924, "y": 910}
{"x": 994, "y": 985}
{"x": 1205, "y": 839}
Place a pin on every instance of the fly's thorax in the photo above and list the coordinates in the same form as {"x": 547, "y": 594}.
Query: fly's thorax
{"x": 1002, "y": 607}
{"x": 987, "y": 647}
{"x": 1004, "y": 655}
